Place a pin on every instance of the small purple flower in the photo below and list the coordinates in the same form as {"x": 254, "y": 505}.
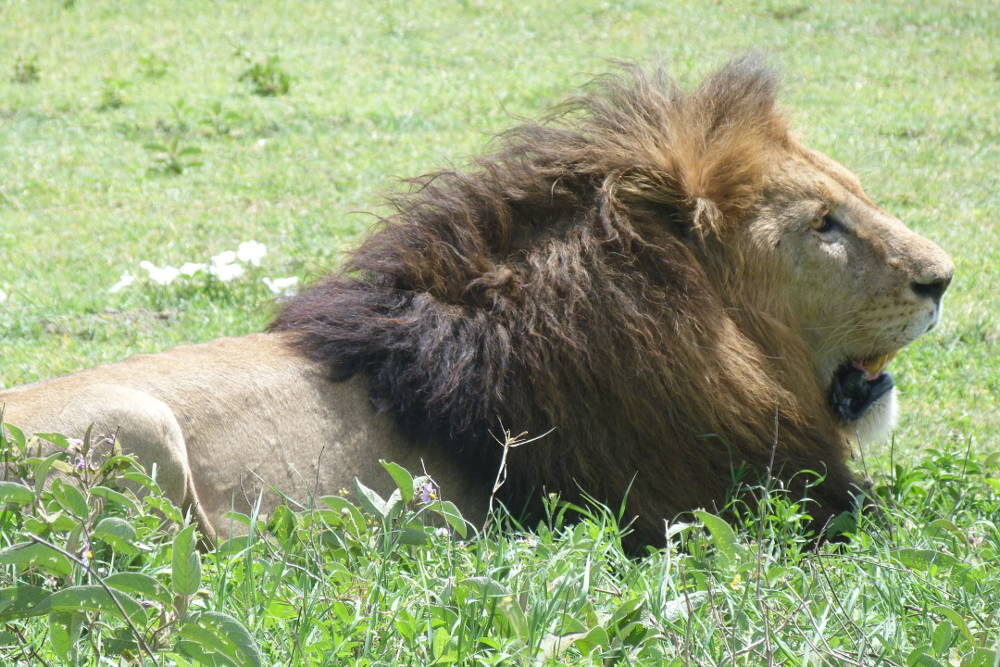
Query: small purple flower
{"x": 428, "y": 493}
{"x": 80, "y": 463}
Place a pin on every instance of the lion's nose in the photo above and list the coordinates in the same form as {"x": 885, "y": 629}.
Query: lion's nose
{"x": 932, "y": 287}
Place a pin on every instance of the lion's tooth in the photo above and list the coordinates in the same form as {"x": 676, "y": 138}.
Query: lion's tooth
{"x": 875, "y": 365}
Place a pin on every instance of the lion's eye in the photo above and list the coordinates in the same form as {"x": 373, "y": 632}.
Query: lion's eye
{"x": 825, "y": 223}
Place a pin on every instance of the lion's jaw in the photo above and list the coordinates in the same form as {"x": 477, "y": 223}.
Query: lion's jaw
{"x": 859, "y": 284}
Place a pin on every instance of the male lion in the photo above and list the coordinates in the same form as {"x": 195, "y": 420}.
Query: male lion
{"x": 668, "y": 285}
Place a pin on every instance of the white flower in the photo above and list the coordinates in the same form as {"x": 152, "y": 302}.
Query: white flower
{"x": 3, "y": 295}
{"x": 227, "y": 257}
{"x": 190, "y": 268}
{"x": 123, "y": 282}
{"x": 442, "y": 532}
{"x": 251, "y": 252}
{"x": 160, "y": 276}
{"x": 223, "y": 268}
{"x": 282, "y": 286}
{"x": 226, "y": 272}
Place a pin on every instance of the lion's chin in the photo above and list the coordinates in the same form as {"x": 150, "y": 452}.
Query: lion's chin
{"x": 877, "y": 421}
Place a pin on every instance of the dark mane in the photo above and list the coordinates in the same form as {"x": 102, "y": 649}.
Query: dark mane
{"x": 576, "y": 280}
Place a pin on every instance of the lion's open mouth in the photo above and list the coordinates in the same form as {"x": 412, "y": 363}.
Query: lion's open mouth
{"x": 858, "y": 384}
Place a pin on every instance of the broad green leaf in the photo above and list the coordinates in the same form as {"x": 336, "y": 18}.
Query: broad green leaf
{"x": 117, "y": 498}
{"x": 201, "y": 655}
{"x": 281, "y": 523}
{"x": 722, "y": 535}
{"x": 511, "y": 609}
{"x": 957, "y": 621}
{"x": 238, "y": 517}
{"x": 982, "y": 657}
{"x": 941, "y": 637}
{"x": 233, "y": 545}
{"x": 928, "y": 561}
{"x": 222, "y": 633}
{"x": 553, "y": 645}
{"x": 42, "y": 469}
{"x": 402, "y": 478}
{"x": 119, "y": 463}
{"x": 632, "y": 634}
{"x": 28, "y": 555}
{"x": 569, "y": 623}
{"x": 943, "y": 525}
{"x": 59, "y": 521}
{"x": 597, "y": 638}
{"x": 70, "y": 498}
{"x": 439, "y": 642}
{"x": 450, "y": 513}
{"x": 120, "y": 641}
{"x": 57, "y": 439}
{"x": 13, "y": 435}
{"x": 626, "y": 612}
{"x": 116, "y": 532}
{"x": 370, "y": 500}
{"x": 413, "y": 536}
{"x": 406, "y": 625}
{"x": 842, "y": 524}
{"x": 918, "y": 658}
{"x": 486, "y": 587}
{"x": 394, "y": 504}
{"x": 674, "y": 529}
{"x": 677, "y": 609}
{"x": 142, "y": 479}
{"x": 13, "y": 492}
{"x": 346, "y": 510}
{"x": 923, "y": 559}
{"x": 22, "y": 602}
{"x": 139, "y": 584}
{"x": 64, "y": 631}
{"x": 163, "y": 505}
{"x": 186, "y": 563}
{"x": 95, "y": 598}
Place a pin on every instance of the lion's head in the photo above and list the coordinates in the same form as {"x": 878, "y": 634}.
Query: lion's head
{"x": 856, "y": 281}
{"x": 669, "y": 282}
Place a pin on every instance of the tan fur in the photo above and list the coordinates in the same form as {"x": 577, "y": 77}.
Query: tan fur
{"x": 226, "y": 420}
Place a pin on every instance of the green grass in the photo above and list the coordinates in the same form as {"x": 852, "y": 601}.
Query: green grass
{"x": 902, "y": 92}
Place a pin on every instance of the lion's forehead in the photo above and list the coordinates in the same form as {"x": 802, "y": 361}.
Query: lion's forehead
{"x": 833, "y": 173}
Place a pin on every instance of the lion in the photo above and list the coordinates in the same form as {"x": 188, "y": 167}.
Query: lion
{"x": 667, "y": 286}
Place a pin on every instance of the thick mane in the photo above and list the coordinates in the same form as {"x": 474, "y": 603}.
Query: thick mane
{"x": 581, "y": 279}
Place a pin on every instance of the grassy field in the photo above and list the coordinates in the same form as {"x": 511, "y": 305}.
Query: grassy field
{"x": 135, "y": 132}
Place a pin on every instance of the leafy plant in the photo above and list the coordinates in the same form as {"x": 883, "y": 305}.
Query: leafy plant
{"x": 172, "y": 157}
{"x": 266, "y": 78}
{"x": 220, "y": 121}
{"x": 113, "y": 93}
{"x": 26, "y": 70}
{"x": 90, "y": 554}
{"x": 153, "y": 65}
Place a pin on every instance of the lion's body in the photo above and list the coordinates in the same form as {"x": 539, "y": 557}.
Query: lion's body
{"x": 228, "y": 419}
{"x": 668, "y": 285}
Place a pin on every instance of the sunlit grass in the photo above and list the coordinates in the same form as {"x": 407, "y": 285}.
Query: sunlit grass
{"x": 132, "y": 132}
